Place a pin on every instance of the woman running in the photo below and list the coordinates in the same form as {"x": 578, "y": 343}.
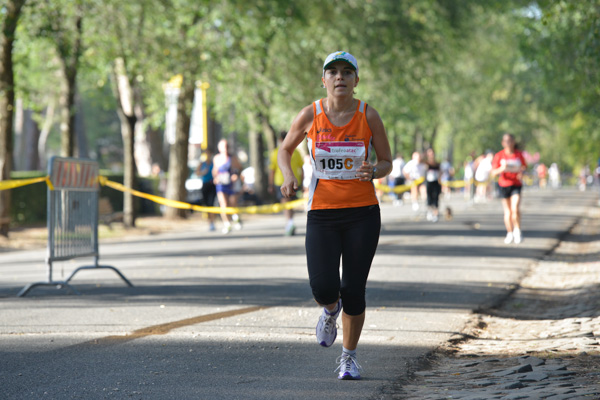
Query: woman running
{"x": 434, "y": 188}
{"x": 510, "y": 164}
{"x": 226, "y": 172}
{"x": 343, "y": 217}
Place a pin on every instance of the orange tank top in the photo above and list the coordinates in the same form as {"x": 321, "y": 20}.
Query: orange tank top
{"x": 336, "y": 152}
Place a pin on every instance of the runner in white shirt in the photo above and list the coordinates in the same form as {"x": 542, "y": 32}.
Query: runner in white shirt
{"x": 482, "y": 177}
{"x": 396, "y": 178}
{"x": 415, "y": 170}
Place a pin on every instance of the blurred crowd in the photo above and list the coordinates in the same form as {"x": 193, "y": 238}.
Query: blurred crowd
{"x": 221, "y": 180}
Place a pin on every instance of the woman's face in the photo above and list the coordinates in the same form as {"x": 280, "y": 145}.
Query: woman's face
{"x": 508, "y": 142}
{"x": 223, "y": 147}
{"x": 340, "y": 79}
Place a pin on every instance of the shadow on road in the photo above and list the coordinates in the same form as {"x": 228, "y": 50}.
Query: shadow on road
{"x": 271, "y": 293}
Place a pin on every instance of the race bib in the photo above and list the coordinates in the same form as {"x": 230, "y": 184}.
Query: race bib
{"x": 224, "y": 178}
{"x": 513, "y": 165}
{"x": 433, "y": 175}
{"x": 338, "y": 160}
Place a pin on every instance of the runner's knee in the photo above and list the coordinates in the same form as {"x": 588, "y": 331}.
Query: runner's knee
{"x": 325, "y": 292}
{"x": 353, "y": 299}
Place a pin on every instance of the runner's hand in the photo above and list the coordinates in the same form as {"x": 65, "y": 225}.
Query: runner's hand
{"x": 289, "y": 187}
{"x": 365, "y": 172}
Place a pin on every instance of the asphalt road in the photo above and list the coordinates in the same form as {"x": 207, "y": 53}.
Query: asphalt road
{"x": 231, "y": 317}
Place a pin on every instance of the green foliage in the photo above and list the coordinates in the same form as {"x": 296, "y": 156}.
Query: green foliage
{"x": 29, "y": 203}
{"x": 452, "y": 74}
{"x": 562, "y": 40}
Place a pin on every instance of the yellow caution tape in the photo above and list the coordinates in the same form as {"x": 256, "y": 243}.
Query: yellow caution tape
{"x": 406, "y": 188}
{"x": 264, "y": 209}
{"x": 461, "y": 184}
{"x": 484, "y": 183}
{"x": 400, "y": 188}
{"x": 15, "y": 183}
{"x": 456, "y": 184}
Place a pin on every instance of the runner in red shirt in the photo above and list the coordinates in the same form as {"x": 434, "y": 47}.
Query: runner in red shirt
{"x": 510, "y": 164}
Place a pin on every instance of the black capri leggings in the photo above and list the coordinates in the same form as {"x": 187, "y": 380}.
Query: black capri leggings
{"x": 353, "y": 234}
{"x": 433, "y": 194}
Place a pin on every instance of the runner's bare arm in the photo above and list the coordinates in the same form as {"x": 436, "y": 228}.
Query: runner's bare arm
{"x": 237, "y": 167}
{"x": 215, "y": 170}
{"x": 236, "y": 164}
{"x": 497, "y": 171}
{"x": 300, "y": 127}
{"x": 382, "y": 149}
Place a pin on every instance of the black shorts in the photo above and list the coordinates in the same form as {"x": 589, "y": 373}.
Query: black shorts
{"x": 399, "y": 181}
{"x": 349, "y": 233}
{"x": 433, "y": 194}
{"x": 209, "y": 194}
{"x": 506, "y": 192}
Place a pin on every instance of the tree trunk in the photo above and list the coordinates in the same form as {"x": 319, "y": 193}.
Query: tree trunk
{"x": 18, "y": 135}
{"x": 450, "y": 152}
{"x": 257, "y": 159}
{"x": 143, "y": 153}
{"x": 127, "y": 132}
{"x": 269, "y": 132}
{"x": 418, "y": 140}
{"x": 70, "y": 62}
{"x": 215, "y": 131}
{"x": 12, "y": 11}
{"x": 125, "y": 110}
{"x": 155, "y": 143}
{"x": 67, "y": 114}
{"x": 434, "y": 133}
{"x": 81, "y": 141}
{"x": 178, "y": 155}
{"x": 31, "y": 158}
{"x": 45, "y": 132}
{"x": 26, "y": 135}
{"x": 142, "y": 139}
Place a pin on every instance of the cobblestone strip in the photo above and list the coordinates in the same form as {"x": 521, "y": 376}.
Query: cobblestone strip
{"x": 542, "y": 343}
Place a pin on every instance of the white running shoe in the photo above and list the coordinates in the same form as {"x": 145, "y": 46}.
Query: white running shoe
{"x": 237, "y": 222}
{"x": 327, "y": 327}
{"x": 290, "y": 229}
{"x": 517, "y": 236}
{"x": 509, "y": 238}
{"x": 349, "y": 367}
{"x": 226, "y": 229}
{"x": 415, "y": 206}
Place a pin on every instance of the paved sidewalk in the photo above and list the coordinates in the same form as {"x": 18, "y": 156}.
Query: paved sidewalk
{"x": 542, "y": 343}
{"x": 223, "y": 317}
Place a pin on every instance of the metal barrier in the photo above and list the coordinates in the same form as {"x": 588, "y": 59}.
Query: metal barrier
{"x": 72, "y": 218}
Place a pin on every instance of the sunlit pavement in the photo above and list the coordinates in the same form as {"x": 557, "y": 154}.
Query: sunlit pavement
{"x": 231, "y": 317}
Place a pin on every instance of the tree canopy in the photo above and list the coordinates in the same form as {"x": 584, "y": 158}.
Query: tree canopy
{"x": 452, "y": 74}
